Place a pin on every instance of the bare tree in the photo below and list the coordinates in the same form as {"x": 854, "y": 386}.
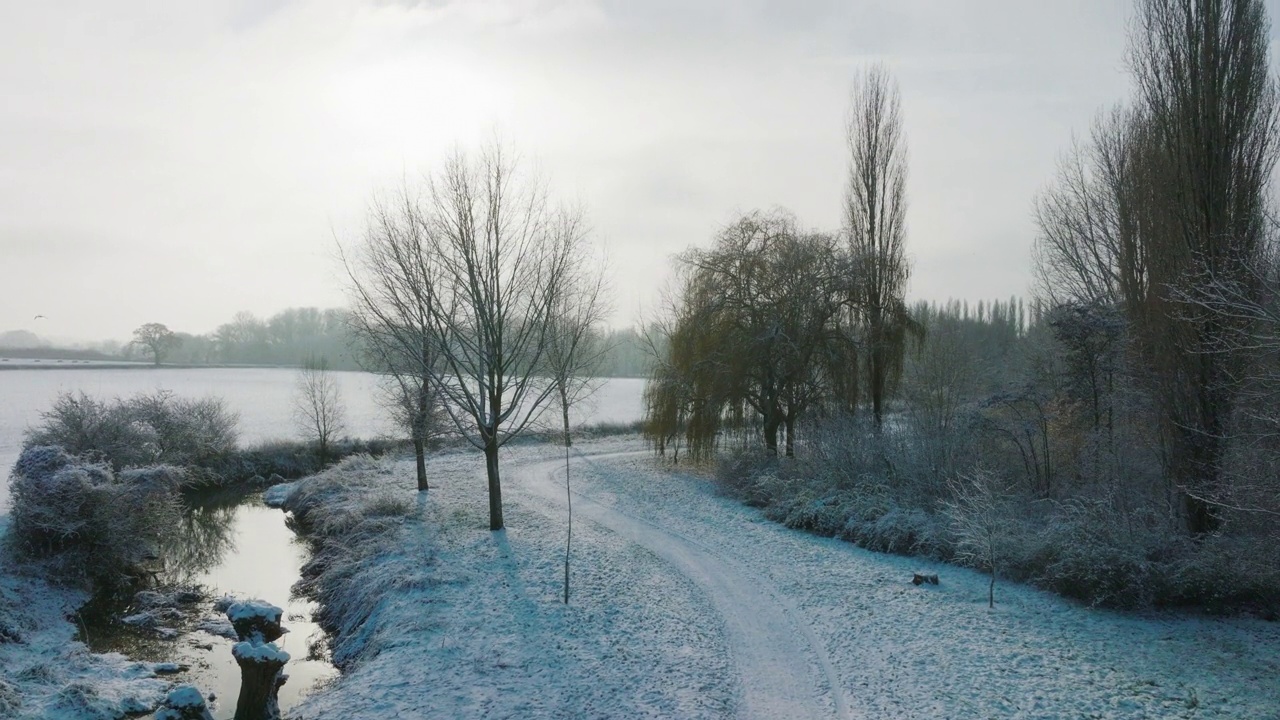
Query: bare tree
{"x": 575, "y": 353}
{"x": 505, "y": 258}
{"x": 463, "y": 285}
{"x": 391, "y": 278}
{"x": 157, "y": 338}
{"x": 318, "y": 409}
{"x": 875, "y": 210}
{"x": 980, "y": 512}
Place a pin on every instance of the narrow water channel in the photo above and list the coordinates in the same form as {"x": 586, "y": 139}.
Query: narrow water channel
{"x": 229, "y": 544}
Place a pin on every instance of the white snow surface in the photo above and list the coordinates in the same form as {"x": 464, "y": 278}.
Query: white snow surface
{"x": 49, "y": 675}
{"x": 184, "y": 696}
{"x": 249, "y": 609}
{"x": 687, "y": 604}
{"x": 276, "y": 495}
{"x": 259, "y": 652}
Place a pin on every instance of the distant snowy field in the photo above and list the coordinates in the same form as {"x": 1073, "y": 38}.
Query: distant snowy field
{"x": 263, "y": 397}
{"x": 687, "y": 604}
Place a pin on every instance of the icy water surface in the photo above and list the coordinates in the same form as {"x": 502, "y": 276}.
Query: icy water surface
{"x": 230, "y": 543}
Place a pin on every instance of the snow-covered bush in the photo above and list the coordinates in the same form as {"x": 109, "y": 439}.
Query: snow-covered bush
{"x": 1095, "y": 551}
{"x": 91, "y": 520}
{"x": 146, "y": 429}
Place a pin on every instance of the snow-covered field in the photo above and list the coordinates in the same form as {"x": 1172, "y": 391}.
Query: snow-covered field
{"x": 687, "y": 604}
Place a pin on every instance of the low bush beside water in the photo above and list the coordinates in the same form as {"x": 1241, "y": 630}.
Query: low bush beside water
{"x": 88, "y": 520}
{"x": 99, "y": 482}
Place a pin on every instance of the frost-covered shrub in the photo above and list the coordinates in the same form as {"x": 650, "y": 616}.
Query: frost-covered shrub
{"x": 10, "y": 699}
{"x": 1095, "y": 551}
{"x": 147, "y": 429}
{"x": 90, "y": 520}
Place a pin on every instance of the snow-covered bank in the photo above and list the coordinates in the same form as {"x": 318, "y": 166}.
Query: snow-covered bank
{"x": 463, "y": 622}
{"x": 688, "y": 604}
{"x": 44, "y": 673}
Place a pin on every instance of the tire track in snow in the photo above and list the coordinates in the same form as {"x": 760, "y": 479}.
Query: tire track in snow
{"x": 774, "y": 649}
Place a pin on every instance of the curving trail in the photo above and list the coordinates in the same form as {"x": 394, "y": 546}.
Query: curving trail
{"x": 782, "y": 669}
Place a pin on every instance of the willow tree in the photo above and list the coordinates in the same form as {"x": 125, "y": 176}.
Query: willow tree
{"x": 875, "y": 215}
{"x": 754, "y": 336}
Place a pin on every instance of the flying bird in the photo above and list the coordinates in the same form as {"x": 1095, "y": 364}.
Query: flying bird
{"x": 41, "y": 317}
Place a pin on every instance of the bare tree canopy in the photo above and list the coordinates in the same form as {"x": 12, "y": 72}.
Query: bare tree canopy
{"x": 875, "y": 215}
{"x": 464, "y": 283}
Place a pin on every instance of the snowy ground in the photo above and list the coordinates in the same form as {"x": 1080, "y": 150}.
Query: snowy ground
{"x": 687, "y": 604}
{"x": 45, "y": 674}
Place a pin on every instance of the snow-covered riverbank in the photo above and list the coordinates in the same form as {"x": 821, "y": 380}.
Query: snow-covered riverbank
{"x": 45, "y": 674}
{"x": 687, "y": 604}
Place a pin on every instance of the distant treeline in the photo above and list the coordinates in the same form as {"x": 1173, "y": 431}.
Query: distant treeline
{"x": 289, "y": 338}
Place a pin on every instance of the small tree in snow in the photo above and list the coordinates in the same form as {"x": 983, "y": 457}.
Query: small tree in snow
{"x": 980, "y": 517}
{"x": 317, "y": 405}
{"x": 576, "y": 351}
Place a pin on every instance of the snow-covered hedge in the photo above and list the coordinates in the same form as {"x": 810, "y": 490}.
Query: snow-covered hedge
{"x": 1096, "y": 547}
{"x": 90, "y": 520}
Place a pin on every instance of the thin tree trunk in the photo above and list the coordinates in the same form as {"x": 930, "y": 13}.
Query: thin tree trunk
{"x": 568, "y": 494}
{"x": 791, "y": 436}
{"x": 420, "y": 458}
{"x": 495, "y": 483}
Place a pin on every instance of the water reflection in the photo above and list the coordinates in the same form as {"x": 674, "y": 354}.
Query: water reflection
{"x": 228, "y": 543}
{"x": 204, "y": 537}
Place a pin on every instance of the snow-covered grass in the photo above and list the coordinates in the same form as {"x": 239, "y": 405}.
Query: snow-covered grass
{"x": 688, "y": 604}
{"x": 436, "y": 616}
{"x": 44, "y": 673}
{"x": 907, "y": 651}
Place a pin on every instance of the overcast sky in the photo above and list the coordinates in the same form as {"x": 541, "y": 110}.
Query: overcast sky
{"x": 177, "y": 162}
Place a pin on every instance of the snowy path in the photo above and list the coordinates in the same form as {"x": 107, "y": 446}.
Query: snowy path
{"x": 782, "y": 669}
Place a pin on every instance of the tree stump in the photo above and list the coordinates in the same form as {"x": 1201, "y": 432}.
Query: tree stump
{"x": 256, "y": 621}
{"x": 260, "y": 680}
{"x": 261, "y": 662}
{"x": 184, "y": 702}
{"x": 922, "y": 578}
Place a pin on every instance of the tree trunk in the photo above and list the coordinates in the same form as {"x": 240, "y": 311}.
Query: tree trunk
{"x": 495, "y": 484}
{"x": 568, "y": 494}
{"x": 420, "y": 457}
{"x": 771, "y": 424}
{"x": 791, "y": 436}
